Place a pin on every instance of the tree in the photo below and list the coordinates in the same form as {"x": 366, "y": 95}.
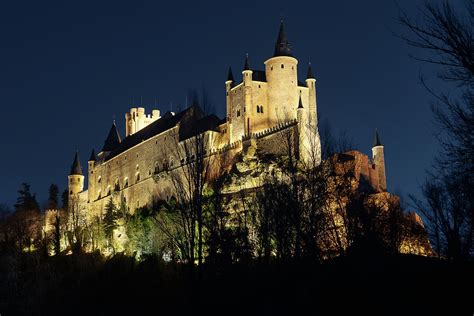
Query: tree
{"x": 53, "y": 192}
{"x": 26, "y": 201}
{"x": 445, "y": 35}
{"x": 65, "y": 199}
{"x": 110, "y": 222}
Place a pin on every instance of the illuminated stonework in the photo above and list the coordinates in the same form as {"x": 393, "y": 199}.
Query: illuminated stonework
{"x": 266, "y": 112}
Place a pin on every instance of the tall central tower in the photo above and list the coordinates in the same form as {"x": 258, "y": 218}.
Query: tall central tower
{"x": 282, "y": 78}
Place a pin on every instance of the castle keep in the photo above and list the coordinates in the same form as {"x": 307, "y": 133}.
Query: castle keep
{"x": 259, "y": 107}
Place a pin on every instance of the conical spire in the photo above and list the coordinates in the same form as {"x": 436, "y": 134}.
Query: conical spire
{"x": 93, "y": 156}
{"x": 76, "y": 166}
{"x": 113, "y": 139}
{"x": 310, "y": 74}
{"x": 300, "y": 103}
{"x": 246, "y": 64}
{"x": 282, "y": 46}
{"x": 230, "y": 76}
{"x": 377, "y": 139}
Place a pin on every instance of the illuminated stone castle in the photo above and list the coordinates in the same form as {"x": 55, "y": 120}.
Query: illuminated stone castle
{"x": 259, "y": 108}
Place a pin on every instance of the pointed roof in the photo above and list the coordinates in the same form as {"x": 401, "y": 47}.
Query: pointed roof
{"x": 76, "y": 166}
{"x": 310, "y": 74}
{"x": 113, "y": 139}
{"x": 300, "y": 103}
{"x": 246, "y": 64}
{"x": 93, "y": 157}
{"x": 282, "y": 46}
{"x": 377, "y": 139}
{"x": 230, "y": 76}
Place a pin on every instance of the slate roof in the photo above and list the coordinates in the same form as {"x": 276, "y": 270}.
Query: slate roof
{"x": 113, "y": 139}
{"x": 192, "y": 121}
{"x": 377, "y": 139}
{"x": 76, "y": 166}
{"x": 282, "y": 46}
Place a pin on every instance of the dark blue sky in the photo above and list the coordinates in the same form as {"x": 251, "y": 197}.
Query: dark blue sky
{"x": 68, "y": 67}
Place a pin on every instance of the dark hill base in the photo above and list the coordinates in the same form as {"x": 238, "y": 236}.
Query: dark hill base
{"x": 88, "y": 285}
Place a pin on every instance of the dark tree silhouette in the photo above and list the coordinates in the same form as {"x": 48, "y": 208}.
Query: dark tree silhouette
{"x": 445, "y": 36}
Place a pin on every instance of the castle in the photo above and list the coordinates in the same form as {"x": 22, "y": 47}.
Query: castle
{"x": 259, "y": 108}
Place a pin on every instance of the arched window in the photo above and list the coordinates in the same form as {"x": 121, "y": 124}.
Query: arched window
{"x": 108, "y": 190}
{"x": 282, "y": 66}
{"x": 116, "y": 185}
{"x": 157, "y": 167}
{"x": 99, "y": 180}
{"x": 261, "y": 108}
{"x": 125, "y": 182}
{"x": 238, "y": 113}
{"x": 137, "y": 177}
{"x": 99, "y": 194}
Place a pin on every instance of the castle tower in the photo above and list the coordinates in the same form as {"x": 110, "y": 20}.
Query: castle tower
{"x": 379, "y": 160}
{"x": 75, "y": 178}
{"x": 282, "y": 78}
{"x": 247, "y": 80}
{"x": 311, "y": 84}
{"x": 229, "y": 83}
{"x": 91, "y": 176}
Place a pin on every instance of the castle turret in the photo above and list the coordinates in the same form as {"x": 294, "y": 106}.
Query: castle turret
{"x": 311, "y": 84}
{"x": 247, "y": 80}
{"x": 91, "y": 175}
{"x": 281, "y": 74}
{"x": 76, "y": 179}
{"x": 301, "y": 118}
{"x": 229, "y": 83}
{"x": 379, "y": 161}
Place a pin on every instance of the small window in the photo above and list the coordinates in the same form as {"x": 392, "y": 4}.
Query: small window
{"x": 261, "y": 108}
{"x": 137, "y": 155}
{"x": 244, "y": 109}
{"x": 149, "y": 172}
{"x": 70, "y": 192}
{"x": 137, "y": 177}
{"x": 125, "y": 183}
{"x": 282, "y": 66}
{"x": 292, "y": 68}
{"x": 99, "y": 180}
{"x": 258, "y": 108}
{"x": 238, "y": 113}
{"x": 271, "y": 68}
{"x": 99, "y": 194}
{"x": 92, "y": 171}
{"x": 259, "y": 86}
{"x": 136, "y": 167}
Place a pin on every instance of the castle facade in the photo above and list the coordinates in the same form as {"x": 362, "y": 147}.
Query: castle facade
{"x": 260, "y": 107}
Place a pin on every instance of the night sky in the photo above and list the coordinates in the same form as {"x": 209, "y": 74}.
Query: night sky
{"x": 67, "y": 68}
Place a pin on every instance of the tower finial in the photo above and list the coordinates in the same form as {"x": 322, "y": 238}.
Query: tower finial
{"x": 76, "y": 165}
{"x": 377, "y": 139}
{"x": 300, "y": 103}
{"x": 310, "y": 74}
{"x": 247, "y": 65}
{"x": 230, "y": 76}
{"x": 282, "y": 46}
